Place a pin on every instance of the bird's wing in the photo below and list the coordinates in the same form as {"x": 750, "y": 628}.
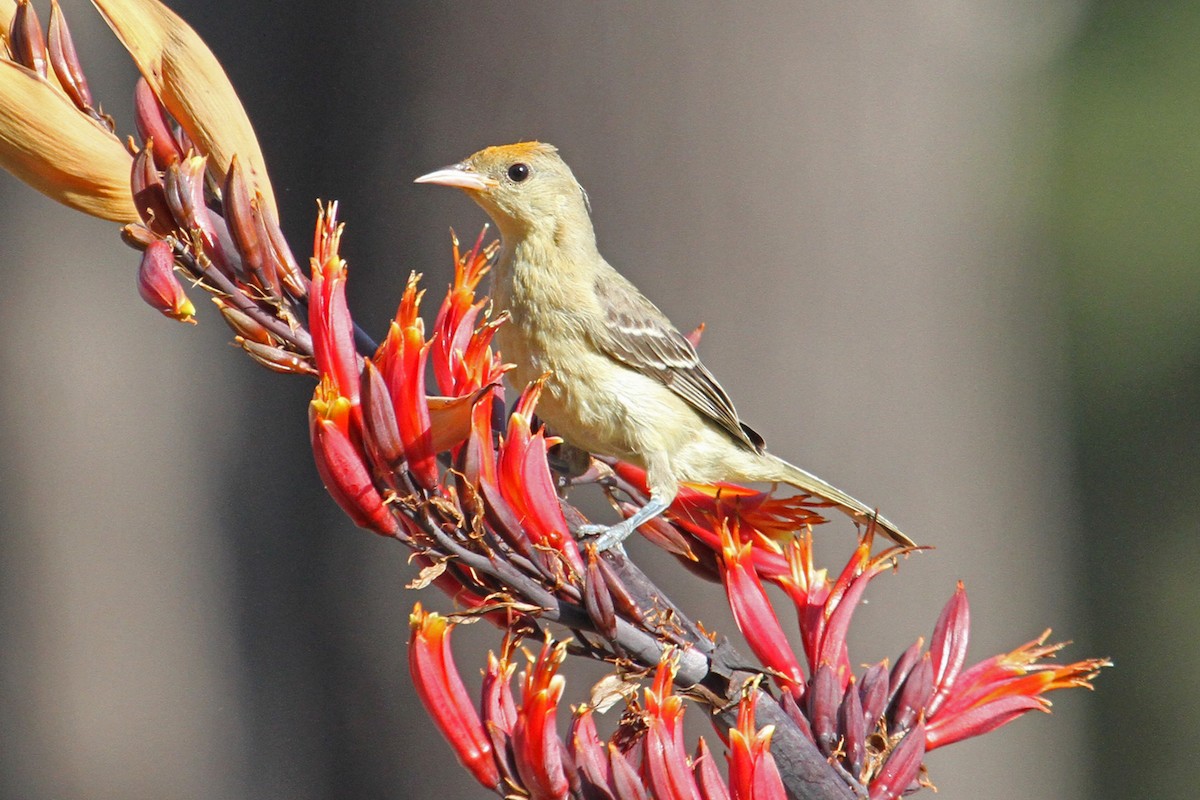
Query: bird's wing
{"x": 640, "y": 336}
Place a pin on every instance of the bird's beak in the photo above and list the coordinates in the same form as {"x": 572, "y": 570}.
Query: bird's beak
{"x": 459, "y": 176}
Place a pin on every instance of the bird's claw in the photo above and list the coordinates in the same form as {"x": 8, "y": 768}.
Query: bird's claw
{"x": 606, "y": 537}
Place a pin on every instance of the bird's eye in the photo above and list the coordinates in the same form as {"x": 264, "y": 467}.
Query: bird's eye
{"x": 518, "y": 172}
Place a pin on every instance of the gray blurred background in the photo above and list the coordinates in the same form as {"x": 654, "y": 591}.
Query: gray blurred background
{"x": 947, "y": 258}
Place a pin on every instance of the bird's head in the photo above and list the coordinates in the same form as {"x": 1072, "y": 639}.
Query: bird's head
{"x": 522, "y": 187}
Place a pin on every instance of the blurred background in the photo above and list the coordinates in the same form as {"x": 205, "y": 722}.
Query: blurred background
{"x": 946, "y": 254}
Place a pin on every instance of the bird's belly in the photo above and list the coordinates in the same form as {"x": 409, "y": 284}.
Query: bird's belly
{"x": 590, "y": 400}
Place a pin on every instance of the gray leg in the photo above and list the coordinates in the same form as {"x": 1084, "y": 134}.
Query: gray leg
{"x": 608, "y": 536}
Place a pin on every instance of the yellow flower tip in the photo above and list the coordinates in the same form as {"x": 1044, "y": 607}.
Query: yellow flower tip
{"x": 184, "y": 312}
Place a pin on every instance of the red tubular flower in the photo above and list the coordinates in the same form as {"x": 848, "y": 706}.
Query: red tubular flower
{"x": 537, "y": 750}
{"x": 762, "y": 518}
{"x": 340, "y": 461}
{"x": 709, "y": 782}
{"x": 328, "y": 315}
{"x": 401, "y": 359}
{"x": 996, "y": 691}
{"x": 441, "y": 690}
{"x": 754, "y": 615}
{"x": 626, "y": 783}
{"x": 589, "y": 754}
{"x": 752, "y": 771}
{"x": 499, "y": 707}
{"x": 825, "y": 609}
{"x": 665, "y": 762}
{"x": 158, "y": 285}
{"x": 462, "y": 359}
{"x": 525, "y": 483}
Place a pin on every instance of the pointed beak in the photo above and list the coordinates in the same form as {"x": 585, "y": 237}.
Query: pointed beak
{"x": 459, "y": 176}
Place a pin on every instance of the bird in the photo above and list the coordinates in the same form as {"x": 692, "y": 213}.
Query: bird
{"x": 619, "y": 379}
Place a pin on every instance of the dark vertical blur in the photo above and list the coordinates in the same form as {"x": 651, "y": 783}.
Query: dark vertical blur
{"x": 945, "y": 262}
{"x": 1126, "y": 198}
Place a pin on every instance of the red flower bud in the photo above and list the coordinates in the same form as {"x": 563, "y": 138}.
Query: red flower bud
{"x": 158, "y": 285}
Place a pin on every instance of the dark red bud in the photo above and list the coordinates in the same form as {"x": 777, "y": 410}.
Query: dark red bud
{"x": 503, "y": 520}
{"x": 596, "y": 599}
{"x": 902, "y": 767}
{"x": 65, "y": 60}
{"x": 854, "y": 732}
{"x": 824, "y": 700}
{"x": 914, "y": 695}
{"x": 285, "y": 263}
{"x": 624, "y": 602}
{"x": 381, "y": 432}
{"x": 245, "y": 229}
{"x": 25, "y": 39}
{"x": 153, "y": 126}
{"x": 904, "y": 665}
{"x": 948, "y": 647}
{"x": 873, "y": 694}
{"x": 790, "y": 707}
{"x": 150, "y": 195}
{"x": 185, "y": 185}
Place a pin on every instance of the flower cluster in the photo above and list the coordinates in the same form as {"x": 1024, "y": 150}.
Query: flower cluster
{"x": 469, "y": 485}
{"x": 874, "y": 728}
{"x": 511, "y": 743}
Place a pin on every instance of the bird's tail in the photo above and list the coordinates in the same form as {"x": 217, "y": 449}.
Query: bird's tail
{"x": 855, "y": 509}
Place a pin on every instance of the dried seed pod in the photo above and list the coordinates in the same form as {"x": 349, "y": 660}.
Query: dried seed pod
{"x": 277, "y": 359}
{"x": 244, "y": 325}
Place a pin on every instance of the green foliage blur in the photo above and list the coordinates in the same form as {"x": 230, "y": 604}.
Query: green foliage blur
{"x": 1125, "y": 217}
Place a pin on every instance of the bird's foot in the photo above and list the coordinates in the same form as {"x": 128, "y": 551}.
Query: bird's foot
{"x": 606, "y": 537}
{"x": 609, "y": 536}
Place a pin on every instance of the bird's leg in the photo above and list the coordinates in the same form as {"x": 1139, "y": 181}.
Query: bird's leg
{"x": 608, "y": 536}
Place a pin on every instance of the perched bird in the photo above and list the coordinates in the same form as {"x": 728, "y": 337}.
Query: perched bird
{"x": 622, "y": 381}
